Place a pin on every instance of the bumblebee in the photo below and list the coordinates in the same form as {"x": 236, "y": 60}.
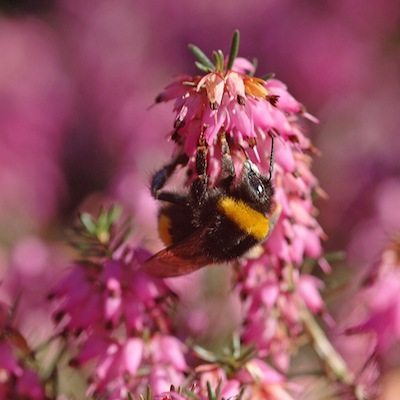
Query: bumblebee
{"x": 211, "y": 225}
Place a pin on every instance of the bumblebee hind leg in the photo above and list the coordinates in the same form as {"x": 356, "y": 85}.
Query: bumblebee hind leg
{"x": 161, "y": 177}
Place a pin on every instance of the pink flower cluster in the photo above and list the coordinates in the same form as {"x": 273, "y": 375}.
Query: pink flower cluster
{"x": 258, "y": 378}
{"x": 254, "y": 380}
{"x": 381, "y": 305}
{"x": 273, "y": 300}
{"x": 113, "y": 313}
{"x": 252, "y": 110}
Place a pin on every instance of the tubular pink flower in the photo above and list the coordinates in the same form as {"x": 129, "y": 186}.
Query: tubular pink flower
{"x": 8, "y": 360}
{"x": 262, "y": 330}
{"x": 284, "y": 156}
{"x": 242, "y": 65}
{"x": 113, "y": 302}
{"x": 132, "y": 355}
{"x": 161, "y": 377}
{"x": 307, "y": 287}
{"x": 95, "y": 345}
{"x": 215, "y": 377}
{"x": 215, "y": 85}
{"x": 115, "y": 363}
{"x": 286, "y": 101}
{"x": 168, "y": 350}
{"x": 383, "y": 306}
{"x": 235, "y": 86}
{"x": 30, "y": 387}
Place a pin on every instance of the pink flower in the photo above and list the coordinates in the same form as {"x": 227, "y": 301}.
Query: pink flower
{"x": 107, "y": 293}
{"x": 118, "y": 360}
{"x": 383, "y": 308}
{"x": 162, "y": 376}
{"x": 263, "y": 381}
{"x": 307, "y": 287}
{"x": 168, "y": 350}
{"x": 117, "y": 369}
{"x": 29, "y": 386}
{"x": 214, "y": 376}
{"x": 8, "y": 360}
{"x": 376, "y": 311}
{"x": 168, "y": 365}
{"x": 215, "y": 85}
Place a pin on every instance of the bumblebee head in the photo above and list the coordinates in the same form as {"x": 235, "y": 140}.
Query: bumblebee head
{"x": 254, "y": 187}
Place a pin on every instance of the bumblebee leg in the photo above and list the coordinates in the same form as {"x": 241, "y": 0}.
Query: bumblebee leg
{"x": 227, "y": 169}
{"x": 160, "y": 178}
{"x": 199, "y": 185}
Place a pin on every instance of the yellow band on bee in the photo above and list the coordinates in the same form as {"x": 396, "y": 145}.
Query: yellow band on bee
{"x": 164, "y": 225}
{"x": 248, "y": 220}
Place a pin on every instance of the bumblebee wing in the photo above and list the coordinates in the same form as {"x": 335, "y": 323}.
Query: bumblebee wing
{"x": 181, "y": 259}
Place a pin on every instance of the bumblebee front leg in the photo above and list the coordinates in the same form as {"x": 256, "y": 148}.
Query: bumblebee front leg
{"x": 162, "y": 176}
{"x": 228, "y": 173}
{"x": 199, "y": 185}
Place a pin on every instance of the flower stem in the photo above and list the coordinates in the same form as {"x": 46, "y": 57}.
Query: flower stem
{"x": 325, "y": 349}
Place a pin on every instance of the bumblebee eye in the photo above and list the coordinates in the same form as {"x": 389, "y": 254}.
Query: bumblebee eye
{"x": 256, "y": 184}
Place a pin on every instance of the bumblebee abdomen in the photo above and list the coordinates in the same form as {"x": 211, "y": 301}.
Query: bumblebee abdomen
{"x": 250, "y": 221}
{"x": 235, "y": 229}
{"x": 174, "y": 224}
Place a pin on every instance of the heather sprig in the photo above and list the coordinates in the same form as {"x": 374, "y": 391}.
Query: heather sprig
{"x": 279, "y": 299}
{"x": 103, "y": 236}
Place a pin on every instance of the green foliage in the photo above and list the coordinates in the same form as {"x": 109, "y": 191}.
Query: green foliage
{"x": 103, "y": 236}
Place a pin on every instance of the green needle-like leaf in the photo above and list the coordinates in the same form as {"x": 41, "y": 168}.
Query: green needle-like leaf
{"x": 202, "y": 67}
{"x": 201, "y": 57}
{"x": 268, "y": 76}
{"x": 88, "y": 223}
{"x": 205, "y": 354}
{"x": 234, "y": 49}
{"x": 216, "y": 60}
{"x": 211, "y": 394}
{"x": 236, "y": 346}
{"x": 219, "y": 387}
{"x": 241, "y": 393}
{"x": 190, "y": 394}
{"x": 221, "y": 60}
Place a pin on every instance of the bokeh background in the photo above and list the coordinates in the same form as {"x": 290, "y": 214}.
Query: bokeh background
{"x": 78, "y": 79}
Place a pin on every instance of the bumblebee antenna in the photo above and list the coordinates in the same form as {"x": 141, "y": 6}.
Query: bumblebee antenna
{"x": 271, "y": 163}
{"x": 244, "y": 151}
